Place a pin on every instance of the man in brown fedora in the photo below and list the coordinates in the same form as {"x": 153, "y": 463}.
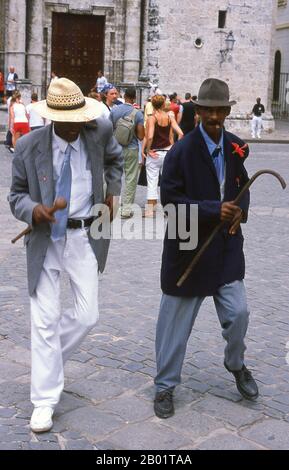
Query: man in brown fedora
{"x": 205, "y": 168}
{"x": 69, "y": 159}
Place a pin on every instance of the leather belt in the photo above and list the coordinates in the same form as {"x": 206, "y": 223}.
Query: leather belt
{"x": 79, "y": 223}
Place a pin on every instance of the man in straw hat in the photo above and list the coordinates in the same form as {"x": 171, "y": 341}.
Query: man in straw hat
{"x": 67, "y": 159}
{"x": 205, "y": 168}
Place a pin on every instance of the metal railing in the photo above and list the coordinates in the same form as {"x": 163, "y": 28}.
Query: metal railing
{"x": 280, "y": 107}
{"x": 116, "y": 72}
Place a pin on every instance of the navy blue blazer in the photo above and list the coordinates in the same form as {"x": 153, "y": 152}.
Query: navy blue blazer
{"x": 189, "y": 177}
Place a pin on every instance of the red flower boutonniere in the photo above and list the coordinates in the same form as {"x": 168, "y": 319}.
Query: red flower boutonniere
{"x": 241, "y": 151}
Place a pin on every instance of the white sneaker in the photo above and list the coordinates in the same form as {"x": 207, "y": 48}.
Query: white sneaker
{"x": 41, "y": 419}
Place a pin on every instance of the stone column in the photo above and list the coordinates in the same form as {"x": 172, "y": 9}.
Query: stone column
{"x": 144, "y": 64}
{"x": 2, "y": 34}
{"x": 16, "y": 36}
{"x": 144, "y": 88}
{"x": 35, "y": 44}
{"x": 132, "y": 41}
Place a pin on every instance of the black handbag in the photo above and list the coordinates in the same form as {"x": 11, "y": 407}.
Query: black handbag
{"x": 142, "y": 180}
{"x": 8, "y": 140}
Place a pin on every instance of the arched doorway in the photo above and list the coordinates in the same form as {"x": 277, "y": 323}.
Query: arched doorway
{"x": 280, "y": 105}
{"x": 277, "y": 71}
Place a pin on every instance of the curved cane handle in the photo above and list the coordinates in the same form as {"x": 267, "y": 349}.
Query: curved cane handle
{"x": 221, "y": 224}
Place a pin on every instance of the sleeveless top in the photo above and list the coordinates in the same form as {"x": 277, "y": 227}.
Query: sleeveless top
{"x": 19, "y": 113}
{"x": 161, "y": 137}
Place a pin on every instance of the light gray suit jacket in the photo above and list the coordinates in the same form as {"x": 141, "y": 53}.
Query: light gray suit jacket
{"x": 32, "y": 184}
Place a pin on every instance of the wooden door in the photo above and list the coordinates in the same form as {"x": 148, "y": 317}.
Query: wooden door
{"x": 77, "y": 48}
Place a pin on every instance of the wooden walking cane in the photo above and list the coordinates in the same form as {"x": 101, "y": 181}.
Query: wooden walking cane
{"x": 221, "y": 224}
{"x": 59, "y": 204}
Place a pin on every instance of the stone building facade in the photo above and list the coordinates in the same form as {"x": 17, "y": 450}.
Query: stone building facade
{"x": 27, "y": 38}
{"x": 282, "y": 34}
{"x": 186, "y": 40}
{"x": 280, "y": 104}
{"x": 176, "y": 44}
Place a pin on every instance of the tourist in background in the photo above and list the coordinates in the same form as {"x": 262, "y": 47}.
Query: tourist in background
{"x": 53, "y": 77}
{"x": 35, "y": 120}
{"x": 134, "y": 119}
{"x": 109, "y": 95}
{"x": 159, "y": 139}
{"x": 188, "y": 114}
{"x": 11, "y": 81}
{"x": 19, "y": 124}
{"x": 101, "y": 81}
{"x": 256, "y": 124}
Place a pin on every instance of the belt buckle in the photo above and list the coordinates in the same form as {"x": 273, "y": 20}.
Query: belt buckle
{"x": 82, "y": 223}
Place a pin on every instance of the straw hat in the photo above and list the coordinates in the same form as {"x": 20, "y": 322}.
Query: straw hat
{"x": 66, "y": 103}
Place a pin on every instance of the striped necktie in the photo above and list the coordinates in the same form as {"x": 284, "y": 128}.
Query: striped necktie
{"x": 63, "y": 189}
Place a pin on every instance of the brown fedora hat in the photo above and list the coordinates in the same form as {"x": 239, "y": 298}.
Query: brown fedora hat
{"x": 214, "y": 93}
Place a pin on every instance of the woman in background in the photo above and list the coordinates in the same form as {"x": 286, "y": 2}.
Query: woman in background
{"x": 159, "y": 139}
{"x": 19, "y": 124}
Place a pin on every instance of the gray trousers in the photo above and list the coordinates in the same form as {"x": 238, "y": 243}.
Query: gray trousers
{"x": 176, "y": 319}
{"x": 131, "y": 171}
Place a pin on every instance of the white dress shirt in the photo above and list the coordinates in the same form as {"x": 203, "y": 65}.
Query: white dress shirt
{"x": 81, "y": 199}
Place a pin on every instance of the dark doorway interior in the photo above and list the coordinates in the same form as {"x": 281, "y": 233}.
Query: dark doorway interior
{"x": 78, "y": 48}
{"x": 277, "y": 71}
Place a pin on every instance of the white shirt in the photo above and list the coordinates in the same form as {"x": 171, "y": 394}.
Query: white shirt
{"x": 34, "y": 119}
{"x": 10, "y": 86}
{"x": 100, "y": 83}
{"x": 81, "y": 199}
{"x": 53, "y": 80}
{"x": 19, "y": 112}
{"x": 105, "y": 111}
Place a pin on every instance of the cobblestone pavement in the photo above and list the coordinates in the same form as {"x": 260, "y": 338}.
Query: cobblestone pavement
{"x": 107, "y": 402}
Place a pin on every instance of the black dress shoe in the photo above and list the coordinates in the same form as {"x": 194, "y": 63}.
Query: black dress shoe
{"x": 245, "y": 383}
{"x": 164, "y": 404}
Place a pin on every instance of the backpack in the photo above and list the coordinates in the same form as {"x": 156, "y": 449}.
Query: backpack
{"x": 125, "y": 129}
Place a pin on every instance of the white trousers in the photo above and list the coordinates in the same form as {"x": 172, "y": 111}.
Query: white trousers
{"x": 55, "y": 334}
{"x": 154, "y": 168}
{"x": 256, "y": 126}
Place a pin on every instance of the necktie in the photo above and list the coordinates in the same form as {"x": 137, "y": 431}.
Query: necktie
{"x": 218, "y": 162}
{"x": 63, "y": 189}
